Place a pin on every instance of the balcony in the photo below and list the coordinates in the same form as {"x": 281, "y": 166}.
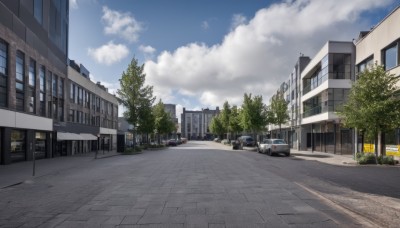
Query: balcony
{"x": 333, "y": 106}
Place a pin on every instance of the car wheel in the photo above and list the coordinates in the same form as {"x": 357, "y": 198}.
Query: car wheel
{"x": 269, "y": 152}
{"x": 287, "y": 154}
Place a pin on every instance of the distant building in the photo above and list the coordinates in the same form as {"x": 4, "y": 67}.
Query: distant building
{"x": 125, "y": 129}
{"x": 195, "y": 124}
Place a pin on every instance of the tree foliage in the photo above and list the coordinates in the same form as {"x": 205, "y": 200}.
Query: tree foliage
{"x": 135, "y": 96}
{"x": 163, "y": 122}
{"x": 225, "y": 116}
{"x": 278, "y": 110}
{"x": 216, "y": 126}
{"x": 234, "y": 120}
{"x": 253, "y": 114}
{"x": 373, "y": 102}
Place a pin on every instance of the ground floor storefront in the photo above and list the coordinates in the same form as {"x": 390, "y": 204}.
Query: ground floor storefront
{"x": 18, "y": 144}
{"x": 329, "y": 137}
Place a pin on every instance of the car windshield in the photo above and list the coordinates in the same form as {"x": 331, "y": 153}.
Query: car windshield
{"x": 279, "y": 141}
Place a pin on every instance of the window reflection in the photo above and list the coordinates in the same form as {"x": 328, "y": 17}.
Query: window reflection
{"x": 18, "y": 145}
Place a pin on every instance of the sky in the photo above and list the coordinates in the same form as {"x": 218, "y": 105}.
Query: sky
{"x": 200, "y": 53}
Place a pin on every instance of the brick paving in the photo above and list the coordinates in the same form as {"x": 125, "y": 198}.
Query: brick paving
{"x": 199, "y": 184}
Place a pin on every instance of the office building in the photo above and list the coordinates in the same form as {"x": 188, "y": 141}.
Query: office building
{"x": 195, "y": 124}
{"x": 33, "y": 71}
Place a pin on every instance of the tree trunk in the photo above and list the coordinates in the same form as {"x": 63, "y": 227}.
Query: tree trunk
{"x": 376, "y": 147}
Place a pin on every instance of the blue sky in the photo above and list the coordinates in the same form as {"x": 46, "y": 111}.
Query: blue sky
{"x": 197, "y": 54}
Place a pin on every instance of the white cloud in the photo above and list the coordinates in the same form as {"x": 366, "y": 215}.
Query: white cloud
{"x": 238, "y": 19}
{"x": 73, "y": 4}
{"x": 109, "y": 53}
{"x": 205, "y": 25}
{"x": 148, "y": 51}
{"x": 257, "y": 56}
{"x": 121, "y": 24}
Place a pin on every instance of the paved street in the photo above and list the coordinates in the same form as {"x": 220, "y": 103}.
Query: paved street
{"x": 203, "y": 184}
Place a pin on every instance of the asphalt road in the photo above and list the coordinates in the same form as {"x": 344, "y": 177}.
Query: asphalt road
{"x": 201, "y": 184}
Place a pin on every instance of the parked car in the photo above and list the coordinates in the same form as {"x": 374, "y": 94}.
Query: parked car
{"x": 273, "y": 146}
{"x": 184, "y": 140}
{"x": 246, "y": 141}
{"x": 171, "y": 142}
{"x": 217, "y": 140}
{"x": 179, "y": 141}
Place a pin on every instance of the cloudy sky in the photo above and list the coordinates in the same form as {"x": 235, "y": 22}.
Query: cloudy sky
{"x": 198, "y": 54}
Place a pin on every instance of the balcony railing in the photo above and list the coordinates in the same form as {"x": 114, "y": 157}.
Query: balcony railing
{"x": 332, "y": 106}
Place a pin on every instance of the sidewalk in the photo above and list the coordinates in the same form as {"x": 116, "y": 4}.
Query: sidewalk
{"x": 333, "y": 159}
{"x": 17, "y": 173}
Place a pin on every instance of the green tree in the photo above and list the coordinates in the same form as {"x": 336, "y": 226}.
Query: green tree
{"x": 373, "y": 103}
{"x": 225, "y": 116}
{"x": 216, "y": 126}
{"x": 234, "y": 120}
{"x": 134, "y": 95}
{"x": 278, "y": 111}
{"x": 146, "y": 121}
{"x": 253, "y": 115}
{"x": 163, "y": 122}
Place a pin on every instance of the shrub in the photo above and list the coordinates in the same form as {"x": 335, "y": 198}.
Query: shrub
{"x": 366, "y": 158}
{"x": 386, "y": 160}
{"x": 133, "y": 150}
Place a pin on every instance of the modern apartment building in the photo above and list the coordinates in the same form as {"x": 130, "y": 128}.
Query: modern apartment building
{"x": 381, "y": 45}
{"x": 326, "y": 82}
{"x": 92, "y": 119}
{"x": 291, "y": 91}
{"x": 33, "y": 71}
{"x": 195, "y": 124}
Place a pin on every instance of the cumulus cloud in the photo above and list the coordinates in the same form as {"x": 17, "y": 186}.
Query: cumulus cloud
{"x": 73, "y": 4}
{"x": 257, "y": 56}
{"x": 121, "y": 24}
{"x": 109, "y": 53}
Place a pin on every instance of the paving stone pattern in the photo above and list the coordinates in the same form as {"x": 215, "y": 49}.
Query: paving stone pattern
{"x": 191, "y": 185}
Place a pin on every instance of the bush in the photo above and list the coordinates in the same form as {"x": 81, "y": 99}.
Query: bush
{"x": 386, "y": 160}
{"x": 133, "y": 150}
{"x": 365, "y": 158}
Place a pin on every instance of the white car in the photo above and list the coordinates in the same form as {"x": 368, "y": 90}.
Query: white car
{"x": 273, "y": 146}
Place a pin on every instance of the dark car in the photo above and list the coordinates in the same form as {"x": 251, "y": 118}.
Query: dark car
{"x": 171, "y": 142}
{"x": 246, "y": 141}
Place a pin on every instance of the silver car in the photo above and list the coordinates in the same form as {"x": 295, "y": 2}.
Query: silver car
{"x": 273, "y": 146}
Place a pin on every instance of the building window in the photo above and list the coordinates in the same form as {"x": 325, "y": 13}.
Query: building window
{"x": 3, "y": 73}
{"x": 61, "y": 110}
{"x": 49, "y": 94}
{"x": 61, "y": 88}
{"x": 390, "y": 56}
{"x": 42, "y": 78}
{"x": 32, "y": 72}
{"x": 38, "y": 10}
{"x": 71, "y": 116}
{"x": 32, "y": 86}
{"x": 367, "y": 63}
{"x": 18, "y": 145}
{"x": 20, "y": 81}
{"x": 54, "y": 85}
{"x": 40, "y": 145}
{"x": 76, "y": 93}
{"x": 71, "y": 92}
{"x": 32, "y": 103}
